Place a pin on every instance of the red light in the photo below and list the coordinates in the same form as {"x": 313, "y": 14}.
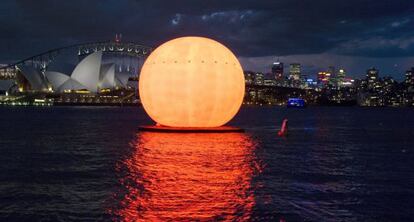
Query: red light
{"x": 187, "y": 177}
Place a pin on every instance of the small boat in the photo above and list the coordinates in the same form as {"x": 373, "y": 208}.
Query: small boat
{"x": 296, "y": 102}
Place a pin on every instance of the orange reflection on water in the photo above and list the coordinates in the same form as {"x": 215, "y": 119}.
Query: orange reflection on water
{"x": 184, "y": 177}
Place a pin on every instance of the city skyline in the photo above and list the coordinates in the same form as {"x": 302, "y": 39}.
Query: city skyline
{"x": 320, "y": 64}
{"x": 354, "y": 35}
{"x": 278, "y": 70}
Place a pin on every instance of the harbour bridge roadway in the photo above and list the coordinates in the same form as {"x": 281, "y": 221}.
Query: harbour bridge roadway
{"x": 42, "y": 60}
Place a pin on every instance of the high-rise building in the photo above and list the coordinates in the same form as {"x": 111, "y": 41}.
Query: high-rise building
{"x": 294, "y": 71}
{"x": 409, "y": 77}
{"x": 259, "y": 79}
{"x": 372, "y": 77}
{"x": 323, "y": 78}
{"x": 388, "y": 84}
{"x": 319, "y": 77}
{"x": 340, "y": 76}
{"x": 249, "y": 77}
{"x": 277, "y": 70}
{"x": 332, "y": 70}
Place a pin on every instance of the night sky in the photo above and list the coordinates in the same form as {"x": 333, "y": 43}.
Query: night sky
{"x": 353, "y": 34}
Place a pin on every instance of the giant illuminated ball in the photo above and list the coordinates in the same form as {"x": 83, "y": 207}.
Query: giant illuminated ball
{"x": 191, "y": 82}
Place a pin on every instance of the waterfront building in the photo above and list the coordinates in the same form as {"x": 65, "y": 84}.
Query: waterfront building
{"x": 376, "y": 91}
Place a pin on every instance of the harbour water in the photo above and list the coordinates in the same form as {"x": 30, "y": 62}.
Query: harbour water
{"x": 93, "y": 164}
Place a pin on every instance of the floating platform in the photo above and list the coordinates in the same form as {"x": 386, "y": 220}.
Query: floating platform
{"x": 167, "y": 129}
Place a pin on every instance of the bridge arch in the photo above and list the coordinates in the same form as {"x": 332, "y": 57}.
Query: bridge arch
{"x": 42, "y": 60}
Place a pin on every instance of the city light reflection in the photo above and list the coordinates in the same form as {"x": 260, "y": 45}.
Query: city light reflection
{"x": 183, "y": 177}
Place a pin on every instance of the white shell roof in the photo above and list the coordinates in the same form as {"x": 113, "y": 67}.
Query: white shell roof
{"x": 89, "y": 74}
{"x": 35, "y": 78}
{"x": 71, "y": 84}
{"x": 87, "y": 71}
{"x": 107, "y": 77}
{"x": 56, "y": 78}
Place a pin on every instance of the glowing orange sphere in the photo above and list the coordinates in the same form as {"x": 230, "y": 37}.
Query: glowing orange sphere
{"x": 191, "y": 82}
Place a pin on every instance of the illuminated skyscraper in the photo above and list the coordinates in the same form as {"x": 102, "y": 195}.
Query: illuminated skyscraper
{"x": 372, "y": 77}
{"x": 323, "y": 78}
{"x": 277, "y": 70}
{"x": 340, "y": 76}
{"x": 249, "y": 77}
{"x": 259, "y": 79}
{"x": 294, "y": 71}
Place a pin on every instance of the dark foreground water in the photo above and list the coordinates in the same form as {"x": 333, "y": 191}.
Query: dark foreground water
{"x": 92, "y": 164}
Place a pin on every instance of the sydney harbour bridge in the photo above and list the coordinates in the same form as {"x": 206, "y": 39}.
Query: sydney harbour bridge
{"x": 129, "y": 54}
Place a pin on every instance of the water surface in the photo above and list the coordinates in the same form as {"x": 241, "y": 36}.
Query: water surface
{"x": 93, "y": 164}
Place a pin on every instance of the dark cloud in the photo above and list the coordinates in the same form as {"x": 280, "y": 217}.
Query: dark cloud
{"x": 253, "y": 29}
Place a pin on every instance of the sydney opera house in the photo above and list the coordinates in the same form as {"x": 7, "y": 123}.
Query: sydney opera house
{"x": 90, "y": 75}
{"x": 97, "y": 78}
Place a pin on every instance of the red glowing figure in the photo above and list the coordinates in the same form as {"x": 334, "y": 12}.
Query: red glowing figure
{"x": 284, "y": 129}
